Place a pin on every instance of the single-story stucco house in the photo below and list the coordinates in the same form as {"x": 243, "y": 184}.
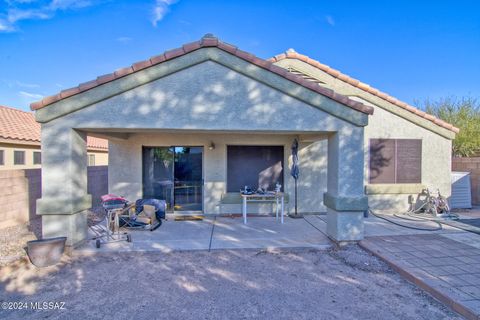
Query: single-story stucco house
{"x": 195, "y": 124}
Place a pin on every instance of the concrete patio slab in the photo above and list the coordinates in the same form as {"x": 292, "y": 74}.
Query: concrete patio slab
{"x": 220, "y": 233}
{"x": 172, "y": 235}
{"x": 266, "y": 233}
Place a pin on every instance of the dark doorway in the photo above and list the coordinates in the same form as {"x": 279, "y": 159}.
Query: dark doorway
{"x": 174, "y": 174}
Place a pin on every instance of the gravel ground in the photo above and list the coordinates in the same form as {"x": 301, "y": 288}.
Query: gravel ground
{"x": 13, "y": 240}
{"x": 238, "y": 284}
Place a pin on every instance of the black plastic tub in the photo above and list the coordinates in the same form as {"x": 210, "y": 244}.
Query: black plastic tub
{"x": 46, "y": 252}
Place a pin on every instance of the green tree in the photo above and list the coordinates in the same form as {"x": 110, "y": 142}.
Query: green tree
{"x": 463, "y": 113}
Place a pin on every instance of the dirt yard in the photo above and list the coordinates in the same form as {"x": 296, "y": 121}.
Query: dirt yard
{"x": 240, "y": 284}
{"x": 14, "y": 239}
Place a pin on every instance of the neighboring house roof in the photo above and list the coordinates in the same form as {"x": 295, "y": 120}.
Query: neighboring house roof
{"x": 290, "y": 54}
{"x": 207, "y": 41}
{"x": 20, "y": 126}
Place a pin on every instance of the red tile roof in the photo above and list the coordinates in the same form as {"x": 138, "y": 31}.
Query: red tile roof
{"x": 18, "y": 125}
{"x": 97, "y": 143}
{"x": 207, "y": 41}
{"x": 363, "y": 86}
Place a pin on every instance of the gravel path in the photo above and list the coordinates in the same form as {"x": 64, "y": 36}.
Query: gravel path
{"x": 239, "y": 284}
{"x": 13, "y": 240}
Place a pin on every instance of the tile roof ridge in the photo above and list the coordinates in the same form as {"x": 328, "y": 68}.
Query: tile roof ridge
{"x": 20, "y": 125}
{"x": 14, "y": 109}
{"x": 208, "y": 40}
{"x": 292, "y": 54}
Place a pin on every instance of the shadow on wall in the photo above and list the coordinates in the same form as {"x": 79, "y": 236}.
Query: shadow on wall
{"x": 207, "y": 96}
{"x": 381, "y": 159}
{"x": 312, "y": 181}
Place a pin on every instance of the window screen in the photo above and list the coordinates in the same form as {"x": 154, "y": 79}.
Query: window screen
{"x": 19, "y": 157}
{"x": 255, "y": 166}
{"x": 395, "y": 161}
{"x": 37, "y": 157}
{"x": 91, "y": 159}
{"x": 2, "y": 157}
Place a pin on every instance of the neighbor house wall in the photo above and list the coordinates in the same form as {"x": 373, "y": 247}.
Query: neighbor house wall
{"x": 311, "y": 185}
{"x": 9, "y": 148}
{"x": 101, "y": 157}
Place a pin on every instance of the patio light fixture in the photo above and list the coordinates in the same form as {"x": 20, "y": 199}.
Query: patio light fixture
{"x": 211, "y": 146}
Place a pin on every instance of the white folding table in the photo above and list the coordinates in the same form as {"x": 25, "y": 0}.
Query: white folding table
{"x": 277, "y": 197}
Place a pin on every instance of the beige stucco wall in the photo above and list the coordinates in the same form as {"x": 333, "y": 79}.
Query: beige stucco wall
{"x": 8, "y": 156}
{"x": 101, "y": 157}
{"x": 436, "y": 156}
{"x": 206, "y": 95}
{"x": 390, "y": 121}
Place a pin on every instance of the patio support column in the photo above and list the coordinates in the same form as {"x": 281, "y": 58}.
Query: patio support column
{"x": 345, "y": 198}
{"x": 64, "y": 183}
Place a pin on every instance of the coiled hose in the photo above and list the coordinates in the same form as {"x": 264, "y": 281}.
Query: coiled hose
{"x": 417, "y": 219}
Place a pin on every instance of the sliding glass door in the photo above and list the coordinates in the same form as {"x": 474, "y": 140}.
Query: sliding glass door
{"x": 175, "y": 175}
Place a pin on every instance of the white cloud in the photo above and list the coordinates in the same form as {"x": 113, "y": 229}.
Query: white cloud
{"x": 15, "y": 15}
{"x": 15, "y": 11}
{"x": 124, "y": 40}
{"x": 5, "y": 26}
{"x": 160, "y": 9}
{"x": 330, "y": 20}
{"x": 27, "y": 85}
{"x": 69, "y": 4}
{"x": 29, "y": 95}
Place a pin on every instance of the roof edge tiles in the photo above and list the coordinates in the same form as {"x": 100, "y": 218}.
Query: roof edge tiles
{"x": 206, "y": 41}
{"x": 291, "y": 54}
{"x": 18, "y": 126}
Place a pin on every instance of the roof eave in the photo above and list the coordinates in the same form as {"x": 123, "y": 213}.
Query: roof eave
{"x": 367, "y": 88}
{"x": 206, "y": 42}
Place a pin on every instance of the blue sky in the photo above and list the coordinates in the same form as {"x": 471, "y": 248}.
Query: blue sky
{"x": 410, "y": 49}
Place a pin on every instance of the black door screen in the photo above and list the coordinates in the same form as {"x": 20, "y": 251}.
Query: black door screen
{"x": 255, "y": 166}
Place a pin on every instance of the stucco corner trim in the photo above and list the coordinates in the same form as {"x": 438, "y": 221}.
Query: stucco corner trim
{"x": 409, "y": 188}
{"x": 341, "y": 203}
{"x": 49, "y": 206}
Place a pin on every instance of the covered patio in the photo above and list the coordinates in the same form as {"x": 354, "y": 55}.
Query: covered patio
{"x": 210, "y": 96}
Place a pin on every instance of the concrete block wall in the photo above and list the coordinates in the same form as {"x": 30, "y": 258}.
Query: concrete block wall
{"x": 97, "y": 183}
{"x": 471, "y": 165}
{"x": 20, "y": 189}
{"x": 14, "y": 197}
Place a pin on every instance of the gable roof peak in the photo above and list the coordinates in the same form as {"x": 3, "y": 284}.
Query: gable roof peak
{"x": 209, "y": 35}
{"x": 208, "y": 40}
